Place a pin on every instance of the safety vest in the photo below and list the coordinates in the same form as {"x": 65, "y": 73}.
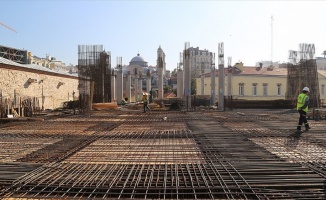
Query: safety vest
{"x": 301, "y": 101}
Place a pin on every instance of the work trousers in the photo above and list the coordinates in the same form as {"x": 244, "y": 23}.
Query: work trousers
{"x": 146, "y": 106}
{"x": 302, "y": 119}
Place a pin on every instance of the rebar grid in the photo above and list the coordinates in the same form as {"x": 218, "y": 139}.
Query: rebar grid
{"x": 160, "y": 147}
{"x": 195, "y": 155}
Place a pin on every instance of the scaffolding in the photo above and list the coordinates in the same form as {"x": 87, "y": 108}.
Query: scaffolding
{"x": 16, "y": 55}
{"x": 303, "y": 74}
{"x": 94, "y": 64}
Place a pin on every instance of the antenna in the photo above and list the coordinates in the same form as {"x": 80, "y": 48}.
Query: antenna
{"x": 272, "y": 40}
{"x": 8, "y": 27}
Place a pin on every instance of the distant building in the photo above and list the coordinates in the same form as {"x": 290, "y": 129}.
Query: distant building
{"x": 200, "y": 60}
{"x": 48, "y": 62}
{"x": 257, "y": 83}
{"x": 267, "y": 64}
{"x": 321, "y": 63}
{"x": 27, "y": 57}
{"x": 138, "y": 68}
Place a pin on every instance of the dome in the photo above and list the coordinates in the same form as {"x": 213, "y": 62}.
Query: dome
{"x": 137, "y": 58}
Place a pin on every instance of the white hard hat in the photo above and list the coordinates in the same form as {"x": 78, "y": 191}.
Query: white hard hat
{"x": 306, "y": 89}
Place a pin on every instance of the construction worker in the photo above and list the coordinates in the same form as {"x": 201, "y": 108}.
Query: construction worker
{"x": 145, "y": 101}
{"x": 123, "y": 102}
{"x": 302, "y": 107}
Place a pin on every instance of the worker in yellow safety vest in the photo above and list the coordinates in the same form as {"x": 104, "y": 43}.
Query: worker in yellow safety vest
{"x": 145, "y": 101}
{"x": 302, "y": 107}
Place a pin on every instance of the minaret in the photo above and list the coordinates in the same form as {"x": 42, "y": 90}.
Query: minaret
{"x": 160, "y": 53}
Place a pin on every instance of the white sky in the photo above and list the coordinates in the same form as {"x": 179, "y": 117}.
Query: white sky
{"x": 128, "y": 27}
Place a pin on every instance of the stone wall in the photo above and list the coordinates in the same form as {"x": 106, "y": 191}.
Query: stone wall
{"x": 53, "y": 88}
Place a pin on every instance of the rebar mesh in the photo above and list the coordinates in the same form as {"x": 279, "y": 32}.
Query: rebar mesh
{"x": 191, "y": 155}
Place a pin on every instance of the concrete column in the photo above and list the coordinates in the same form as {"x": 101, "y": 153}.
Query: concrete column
{"x": 187, "y": 77}
{"x": 148, "y": 83}
{"x": 229, "y": 76}
{"x": 119, "y": 86}
{"x": 140, "y": 81}
{"x": 160, "y": 78}
{"x": 136, "y": 88}
{"x": 221, "y": 76}
{"x": 128, "y": 87}
{"x": 113, "y": 86}
{"x": 213, "y": 77}
{"x": 180, "y": 87}
{"x": 119, "y": 80}
{"x": 202, "y": 84}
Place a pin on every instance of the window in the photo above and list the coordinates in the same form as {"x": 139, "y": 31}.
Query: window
{"x": 241, "y": 89}
{"x": 323, "y": 89}
{"x": 265, "y": 89}
{"x": 279, "y": 91}
{"x": 254, "y": 89}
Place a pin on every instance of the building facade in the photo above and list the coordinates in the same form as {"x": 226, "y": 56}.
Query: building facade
{"x": 200, "y": 60}
{"x": 256, "y": 83}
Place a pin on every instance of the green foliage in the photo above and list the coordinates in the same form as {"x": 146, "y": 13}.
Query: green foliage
{"x": 167, "y": 89}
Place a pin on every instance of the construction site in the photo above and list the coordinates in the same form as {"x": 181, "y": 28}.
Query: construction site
{"x": 244, "y": 152}
{"x": 126, "y": 154}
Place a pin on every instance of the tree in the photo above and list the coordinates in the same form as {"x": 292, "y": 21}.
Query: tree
{"x": 167, "y": 89}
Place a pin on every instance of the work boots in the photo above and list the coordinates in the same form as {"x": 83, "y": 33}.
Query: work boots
{"x": 307, "y": 127}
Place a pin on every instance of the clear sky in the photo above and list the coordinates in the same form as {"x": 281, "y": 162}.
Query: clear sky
{"x": 127, "y": 27}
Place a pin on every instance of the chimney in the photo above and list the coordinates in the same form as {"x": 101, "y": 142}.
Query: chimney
{"x": 260, "y": 66}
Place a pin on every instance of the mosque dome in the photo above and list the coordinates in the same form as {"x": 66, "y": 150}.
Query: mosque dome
{"x": 137, "y": 58}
